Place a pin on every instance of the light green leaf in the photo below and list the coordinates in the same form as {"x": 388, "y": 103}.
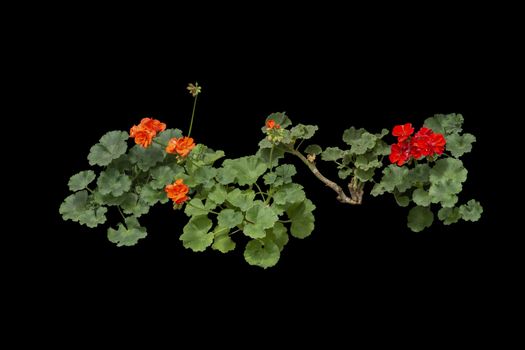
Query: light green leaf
{"x": 419, "y": 218}
{"x": 419, "y": 175}
{"x": 302, "y": 218}
{"x": 165, "y": 136}
{"x": 393, "y": 177}
{"x": 81, "y": 180}
{"x": 283, "y": 175}
{"x": 265, "y": 153}
{"x": 241, "y": 199}
{"x": 151, "y": 196}
{"x": 146, "y": 158}
{"x": 265, "y": 143}
{"x": 344, "y": 173}
{"x": 446, "y": 124}
{"x": 289, "y": 193}
{"x": 351, "y": 136}
{"x": 164, "y": 175}
{"x": 444, "y": 192}
{"x": 448, "y": 168}
{"x": 259, "y": 218}
{"x": 301, "y": 131}
{"x": 460, "y": 144}
{"x": 247, "y": 169}
{"x": 229, "y": 218}
{"x": 367, "y": 161}
{"x": 278, "y": 234}
{"x": 449, "y": 215}
{"x": 196, "y": 236}
{"x": 93, "y": 217}
{"x": 202, "y": 176}
{"x": 364, "y": 175}
{"x": 401, "y": 198}
{"x": 195, "y": 207}
{"x": 313, "y": 149}
{"x": 222, "y": 240}
{"x": 263, "y": 253}
{"x": 421, "y": 197}
{"x": 218, "y": 194}
{"x": 382, "y": 134}
{"x": 127, "y": 236}
{"x": 332, "y": 154}
{"x": 112, "y": 182}
{"x": 364, "y": 143}
{"x": 471, "y": 211}
{"x": 111, "y": 146}
{"x": 381, "y": 148}
{"x": 78, "y": 208}
{"x": 225, "y": 176}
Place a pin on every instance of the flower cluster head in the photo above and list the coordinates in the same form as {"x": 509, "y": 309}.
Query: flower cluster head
{"x": 271, "y": 124}
{"x": 178, "y": 191}
{"x": 146, "y": 131}
{"x": 274, "y": 131}
{"x": 424, "y": 143}
{"x": 181, "y": 146}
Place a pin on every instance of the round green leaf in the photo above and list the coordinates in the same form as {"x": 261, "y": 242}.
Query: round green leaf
{"x": 419, "y": 218}
{"x": 262, "y": 253}
{"x": 81, "y": 180}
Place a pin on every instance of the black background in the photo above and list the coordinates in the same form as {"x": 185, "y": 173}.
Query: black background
{"x": 331, "y": 73}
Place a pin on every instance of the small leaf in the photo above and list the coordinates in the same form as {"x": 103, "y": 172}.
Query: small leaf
{"x": 460, "y": 144}
{"x": 112, "y": 182}
{"x": 421, "y": 197}
{"x": 351, "y": 136}
{"x": 278, "y": 234}
{"x": 283, "y": 175}
{"x": 241, "y": 199}
{"x": 132, "y": 204}
{"x": 196, "y": 236}
{"x": 195, "y": 207}
{"x": 218, "y": 194}
{"x": 289, "y": 193}
{"x": 313, "y": 149}
{"x": 402, "y": 199}
{"x": 332, "y": 154}
{"x": 260, "y": 217}
{"x": 127, "y": 236}
{"x": 365, "y": 175}
{"x": 446, "y": 124}
{"x": 344, "y": 173}
{"x": 449, "y": 215}
{"x": 81, "y": 180}
{"x": 302, "y": 218}
{"x": 247, "y": 169}
{"x": 229, "y": 218}
{"x": 111, "y": 146}
{"x": 419, "y": 218}
{"x": 222, "y": 240}
{"x": 146, "y": 158}
{"x": 78, "y": 208}
{"x": 164, "y": 175}
{"x": 280, "y": 118}
{"x": 301, "y": 131}
{"x": 151, "y": 195}
{"x": 263, "y": 253}
{"x": 471, "y": 211}
{"x": 393, "y": 177}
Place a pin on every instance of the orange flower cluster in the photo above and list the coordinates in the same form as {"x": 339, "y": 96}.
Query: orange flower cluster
{"x": 146, "y": 131}
{"x": 270, "y": 124}
{"x": 178, "y": 191}
{"x": 181, "y": 146}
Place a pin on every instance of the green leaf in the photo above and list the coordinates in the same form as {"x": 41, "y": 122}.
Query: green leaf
{"x": 289, "y": 193}
{"x": 265, "y": 153}
{"x": 283, "y": 175}
{"x": 421, "y": 197}
{"x": 210, "y": 156}
{"x": 110, "y": 146}
{"x": 332, "y": 154}
{"x": 448, "y": 168}
{"x": 132, "y": 204}
{"x": 222, "y": 240}
{"x": 229, "y": 218}
{"x": 419, "y": 218}
{"x": 394, "y": 177}
{"x": 265, "y": 143}
{"x": 81, "y": 180}
{"x": 218, "y": 194}
{"x": 471, "y": 211}
{"x": 146, "y": 158}
{"x": 164, "y": 175}
{"x": 449, "y": 215}
{"x": 263, "y": 253}
{"x": 460, "y": 144}
{"x": 367, "y": 161}
{"x": 196, "y": 236}
{"x": 241, "y": 199}
{"x": 444, "y": 192}
{"x": 365, "y": 175}
{"x": 351, "y": 136}
{"x": 382, "y": 134}
{"x": 202, "y": 175}
{"x": 313, "y": 149}
{"x": 364, "y": 143}
{"x": 247, "y": 169}
{"x": 280, "y": 118}
{"x": 195, "y": 207}
{"x": 165, "y": 136}
{"x": 344, "y": 173}
{"x": 78, "y": 208}
{"x": 225, "y": 176}
{"x": 302, "y": 218}
{"x": 121, "y": 164}
{"x": 151, "y": 195}
{"x": 401, "y": 198}
{"x": 259, "y": 218}
{"x": 446, "y": 124}
{"x": 301, "y": 131}
{"x": 278, "y": 235}
{"x": 381, "y": 148}
{"x": 112, "y": 182}
{"x": 419, "y": 175}
{"x": 127, "y": 236}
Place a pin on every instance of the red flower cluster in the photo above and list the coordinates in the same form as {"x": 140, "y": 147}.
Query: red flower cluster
{"x": 146, "y": 131}
{"x": 177, "y": 191}
{"x": 424, "y": 143}
{"x": 181, "y": 146}
{"x": 271, "y": 124}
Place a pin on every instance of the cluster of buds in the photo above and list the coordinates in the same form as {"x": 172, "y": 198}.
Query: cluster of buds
{"x": 274, "y": 131}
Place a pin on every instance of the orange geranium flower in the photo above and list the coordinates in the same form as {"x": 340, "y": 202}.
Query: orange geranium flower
{"x": 178, "y": 191}
{"x": 181, "y": 146}
{"x": 270, "y": 124}
{"x": 142, "y": 136}
{"x": 146, "y": 131}
{"x": 153, "y": 124}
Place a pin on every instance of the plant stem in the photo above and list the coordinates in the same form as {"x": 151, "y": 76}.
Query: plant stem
{"x": 299, "y": 145}
{"x": 121, "y": 213}
{"x": 355, "y": 188}
{"x": 260, "y": 191}
{"x": 193, "y": 114}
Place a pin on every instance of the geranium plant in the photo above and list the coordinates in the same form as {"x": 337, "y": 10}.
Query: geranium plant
{"x": 256, "y": 195}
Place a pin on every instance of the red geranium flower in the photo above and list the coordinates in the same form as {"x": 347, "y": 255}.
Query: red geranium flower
{"x": 403, "y": 132}
{"x": 177, "y": 191}
{"x": 270, "y": 124}
{"x": 424, "y": 143}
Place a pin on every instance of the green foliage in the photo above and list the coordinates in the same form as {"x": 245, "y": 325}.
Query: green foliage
{"x": 241, "y": 199}
{"x": 259, "y": 218}
{"x": 301, "y": 131}
{"x": 313, "y": 149}
{"x": 79, "y": 207}
{"x": 196, "y": 234}
{"x": 446, "y": 124}
{"x": 81, "y": 180}
{"x": 112, "y": 182}
{"x": 460, "y": 144}
{"x": 332, "y": 154}
{"x": 471, "y": 211}
{"x": 245, "y": 170}
{"x": 449, "y": 215}
{"x": 128, "y": 234}
{"x": 264, "y": 253}
{"x": 229, "y": 218}
{"x": 111, "y": 146}
{"x": 222, "y": 240}
{"x": 282, "y": 175}
{"x": 302, "y": 218}
{"x": 420, "y": 218}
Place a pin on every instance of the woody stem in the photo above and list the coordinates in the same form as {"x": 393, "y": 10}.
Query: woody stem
{"x": 355, "y": 187}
